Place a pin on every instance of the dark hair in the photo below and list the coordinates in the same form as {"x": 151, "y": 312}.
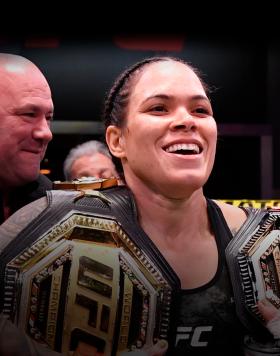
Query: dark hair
{"x": 116, "y": 101}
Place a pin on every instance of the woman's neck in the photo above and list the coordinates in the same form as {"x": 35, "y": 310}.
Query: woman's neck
{"x": 180, "y": 228}
{"x": 163, "y": 217}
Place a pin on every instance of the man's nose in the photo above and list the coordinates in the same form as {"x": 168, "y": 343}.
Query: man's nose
{"x": 42, "y": 130}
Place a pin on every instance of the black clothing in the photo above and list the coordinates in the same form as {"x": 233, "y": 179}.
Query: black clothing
{"x": 26, "y": 194}
{"x": 208, "y": 324}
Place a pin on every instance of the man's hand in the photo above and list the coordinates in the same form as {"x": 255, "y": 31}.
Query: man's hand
{"x": 271, "y": 316}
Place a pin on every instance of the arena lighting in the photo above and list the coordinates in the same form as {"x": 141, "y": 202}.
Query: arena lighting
{"x": 45, "y": 171}
{"x": 38, "y": 42}
{"x": 161, "y": 42}
{"x": 45, "y": 167}
{"x": 257, "y": 204}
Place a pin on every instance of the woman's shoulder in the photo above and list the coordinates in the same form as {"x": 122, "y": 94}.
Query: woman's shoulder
{"x": 234, "y": 216}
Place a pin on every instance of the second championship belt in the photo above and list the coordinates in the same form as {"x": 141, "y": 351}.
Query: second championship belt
{"x": 253, "y": 258}
{"x": 84, "y": 272}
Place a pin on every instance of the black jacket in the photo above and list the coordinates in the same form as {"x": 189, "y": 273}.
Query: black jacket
{"x": 26, "y": 194}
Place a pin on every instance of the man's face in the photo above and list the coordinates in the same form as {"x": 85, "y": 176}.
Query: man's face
{"x": 26, "y": 109}
{"x": 98, "y": 165}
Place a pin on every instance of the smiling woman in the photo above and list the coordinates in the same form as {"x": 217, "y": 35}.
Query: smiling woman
{"x": 160, "y": 126}
{"x": 162, "y": 120}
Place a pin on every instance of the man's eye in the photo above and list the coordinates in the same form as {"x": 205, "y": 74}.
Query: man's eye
{"x": 29, "y": 114}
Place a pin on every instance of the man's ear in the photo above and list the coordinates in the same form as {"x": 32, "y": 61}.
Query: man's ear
{"x": 115, "y": 141}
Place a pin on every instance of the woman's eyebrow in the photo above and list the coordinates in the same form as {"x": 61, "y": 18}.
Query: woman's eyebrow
{"x": 168, "y": 97}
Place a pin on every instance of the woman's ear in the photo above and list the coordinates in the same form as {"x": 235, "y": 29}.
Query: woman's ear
{"x": 115, "y": 141}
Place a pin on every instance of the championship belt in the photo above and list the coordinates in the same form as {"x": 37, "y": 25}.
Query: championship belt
{"x": 85, "y": 272}
{"x": 253, "y": 257}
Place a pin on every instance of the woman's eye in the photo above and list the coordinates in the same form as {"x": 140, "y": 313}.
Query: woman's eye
{"x": 158, "y": 108}
{"x": 202, "y": 111}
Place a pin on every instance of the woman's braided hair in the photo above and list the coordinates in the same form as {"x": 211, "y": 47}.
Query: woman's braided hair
{"x": 116, "y": 101}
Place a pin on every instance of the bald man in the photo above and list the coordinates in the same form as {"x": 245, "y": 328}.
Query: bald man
{"x": 26, "y": 110}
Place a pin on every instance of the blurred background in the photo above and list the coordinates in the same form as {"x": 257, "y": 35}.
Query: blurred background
{"x": 242, "y": 70}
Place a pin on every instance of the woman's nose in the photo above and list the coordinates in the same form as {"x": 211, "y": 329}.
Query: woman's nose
{"x": 184, "y": 121}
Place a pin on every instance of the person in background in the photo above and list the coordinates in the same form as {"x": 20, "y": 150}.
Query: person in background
{"x": 26, "y": 111}
{"x": 89, "y": 159}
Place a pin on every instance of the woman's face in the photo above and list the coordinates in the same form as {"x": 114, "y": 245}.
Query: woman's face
{"x": 169, "y": 140}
